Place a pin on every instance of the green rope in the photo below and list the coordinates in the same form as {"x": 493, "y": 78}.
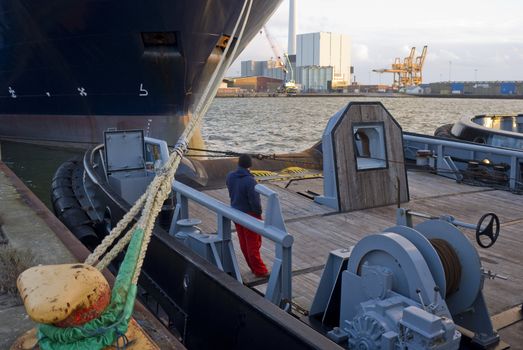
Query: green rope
{"x": 112, "y": 323}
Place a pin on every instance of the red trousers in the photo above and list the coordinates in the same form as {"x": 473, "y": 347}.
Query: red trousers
{"x": 250, "y": 243}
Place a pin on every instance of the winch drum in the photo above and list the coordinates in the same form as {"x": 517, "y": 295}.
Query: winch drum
{"x": 471, "y": 277}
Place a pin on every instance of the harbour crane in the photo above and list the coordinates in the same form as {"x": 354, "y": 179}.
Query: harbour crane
{"x": 417, "y": 76}
{"x": 289, "y": 86}
{"x": 408, "y": 72}
{"x": 275, "y": 50}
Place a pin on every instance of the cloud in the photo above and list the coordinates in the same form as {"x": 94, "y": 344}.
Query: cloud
{"x": 444, "y": 55}
{"x": 360, "y": 52}
{"x": 474, "y": 34}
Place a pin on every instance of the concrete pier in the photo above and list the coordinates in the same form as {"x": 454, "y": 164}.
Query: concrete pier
{"x": 26, "y": 223}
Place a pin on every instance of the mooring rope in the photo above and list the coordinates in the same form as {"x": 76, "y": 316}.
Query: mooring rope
{"x": 295, "y": 159}
{"x": 151, "y": 202}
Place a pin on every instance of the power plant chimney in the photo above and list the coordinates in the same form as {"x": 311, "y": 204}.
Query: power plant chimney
{"x": 291, "y": 47}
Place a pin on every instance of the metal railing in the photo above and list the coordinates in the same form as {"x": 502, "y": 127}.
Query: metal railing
{"x": 279, "y": 288}
{"x": 443, "y": 148}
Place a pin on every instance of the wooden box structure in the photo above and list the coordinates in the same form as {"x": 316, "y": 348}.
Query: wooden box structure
{"x": 363, "y": 162}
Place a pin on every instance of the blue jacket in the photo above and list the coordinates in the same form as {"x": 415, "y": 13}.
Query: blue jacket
{"x": 241, "y": 191}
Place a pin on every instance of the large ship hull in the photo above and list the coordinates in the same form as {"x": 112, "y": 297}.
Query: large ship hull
{"x": 70, "y": 70}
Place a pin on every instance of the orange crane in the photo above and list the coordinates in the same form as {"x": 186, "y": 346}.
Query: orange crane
{"x": 408, "y": 72}
{"x": 417, "y": 77}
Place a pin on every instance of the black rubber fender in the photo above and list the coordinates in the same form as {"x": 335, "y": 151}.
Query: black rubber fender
{"x": 74, "y": 217}
{"x": 444, "y": 131}
{"x": 60, "y": 182}
{"x": 66, "y": 169}
{"x": 62, "y": 192}
{"x": 64, "y": 203}
{"x": 86, "y": 235}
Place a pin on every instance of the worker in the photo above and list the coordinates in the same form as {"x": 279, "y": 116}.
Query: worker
{"x": 244, "y": 197}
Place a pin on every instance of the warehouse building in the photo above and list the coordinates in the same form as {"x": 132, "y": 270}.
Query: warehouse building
{"x": 477, "y": 88}
{"x": 322, "y": 60}
{"x": 322, "y": 63}
{"x": 257, "y": 84}
{"x": 269, "y": 69}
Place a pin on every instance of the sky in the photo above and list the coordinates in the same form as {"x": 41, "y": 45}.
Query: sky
{"x": 467, "y": 40}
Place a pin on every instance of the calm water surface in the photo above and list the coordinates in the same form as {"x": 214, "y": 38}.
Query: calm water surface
{"x": 268, "y": 125}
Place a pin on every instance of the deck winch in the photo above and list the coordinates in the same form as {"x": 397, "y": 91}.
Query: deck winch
{"x": 412, "y": 287}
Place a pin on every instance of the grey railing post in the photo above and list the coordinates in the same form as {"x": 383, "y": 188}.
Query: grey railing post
{"x": 181, "y": 211}
{"x": 224, "y": 234}
{"x": 224, "y": 227}
{"x": 440, "y": 158}
{"x": 286, "y": 288}
{"x": 273, "y": 214}
{"x": 279, "y": 288}
{"x": 513, "y": 173}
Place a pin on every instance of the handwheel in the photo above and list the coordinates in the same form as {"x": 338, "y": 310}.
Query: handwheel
{"x": 491, "y": 230}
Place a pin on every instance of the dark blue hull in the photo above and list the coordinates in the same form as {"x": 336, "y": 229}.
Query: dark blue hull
{"x": 71, "y": 69}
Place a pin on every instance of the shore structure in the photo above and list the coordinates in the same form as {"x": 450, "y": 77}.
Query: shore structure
{"x": 27, "y": 224}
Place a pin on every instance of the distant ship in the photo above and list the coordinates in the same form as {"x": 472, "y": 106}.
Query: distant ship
{"x": 69, "y": 70}
{"x": 494, "y": 130}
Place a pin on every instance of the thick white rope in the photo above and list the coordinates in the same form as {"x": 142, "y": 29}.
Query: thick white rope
{"x": 159, "y": 189}
{"x": 155, "y": 201}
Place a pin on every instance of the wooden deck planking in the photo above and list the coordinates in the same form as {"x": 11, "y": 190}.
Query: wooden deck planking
{"x": 426, "y": 185}
{"x": 294, "y": 206}
{"x": 304, "y": 185}
{"x": 343, "y": 230}
{"x": 513, "y": 335}
{"x": 317, "y": 231}
{"x": 314, "y": 237}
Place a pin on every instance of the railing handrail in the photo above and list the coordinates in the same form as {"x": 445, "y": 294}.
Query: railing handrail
{"x": 270, "y": 232}
{"x": 279, "y": 286}
{"x": 465, "y": 145}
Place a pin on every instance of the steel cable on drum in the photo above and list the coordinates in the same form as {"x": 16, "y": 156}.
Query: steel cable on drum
{"x": 451, "y": 264}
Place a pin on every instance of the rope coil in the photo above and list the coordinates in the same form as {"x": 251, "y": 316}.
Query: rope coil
{"x": 451, "y": 264}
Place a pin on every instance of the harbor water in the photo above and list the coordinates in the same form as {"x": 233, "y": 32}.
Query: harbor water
{"x": 274, "y": 125}
{"x": 268, "y": 125}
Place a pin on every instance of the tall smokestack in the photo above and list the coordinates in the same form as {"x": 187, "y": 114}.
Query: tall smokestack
{"x": 291, "y": 47}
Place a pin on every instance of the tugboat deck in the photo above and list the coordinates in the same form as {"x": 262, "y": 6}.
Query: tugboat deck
{"x": 317, "y": 230}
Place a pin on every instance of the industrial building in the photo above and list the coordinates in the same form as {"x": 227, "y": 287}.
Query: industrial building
{"x": 322, "y": 58}
{"x": 477, "y": 88}
{"x": 269, "y": 69}
{"x": 317, "y": 62}
{"x": 257, "y": 84}
{"x": 322, "y": 63}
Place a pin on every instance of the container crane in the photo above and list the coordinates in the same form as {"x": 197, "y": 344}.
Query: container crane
{"x": 417, "y": 77}
{"x": 289, "y": 86}
{"x": 408, "y": 72}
